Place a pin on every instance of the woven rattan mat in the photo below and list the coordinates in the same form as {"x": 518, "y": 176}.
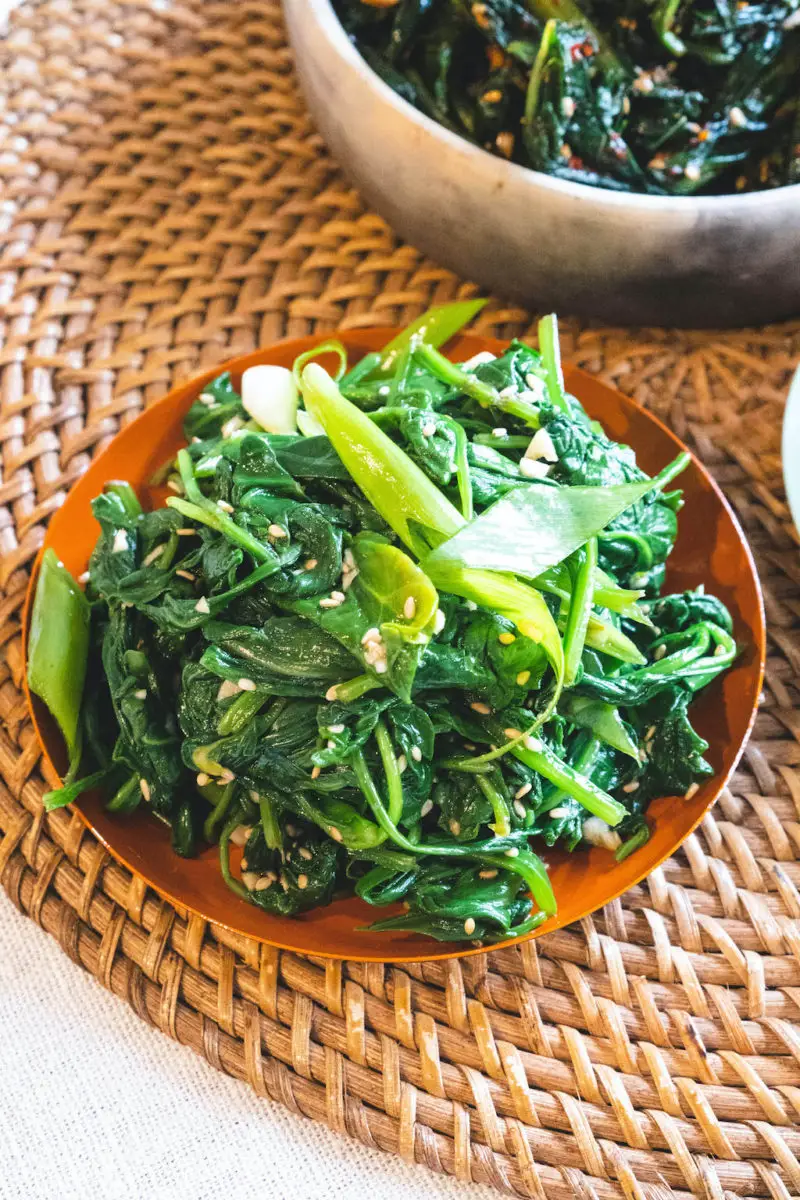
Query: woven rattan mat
{"x": 166, "y": 204}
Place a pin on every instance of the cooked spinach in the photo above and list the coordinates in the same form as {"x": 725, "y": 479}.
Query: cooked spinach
{"x": 392, "y": 656}
{"x": 672, "y": 97}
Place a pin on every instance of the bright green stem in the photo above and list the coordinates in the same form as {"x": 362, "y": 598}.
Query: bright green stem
{"x": 394, "y": 782}
{"x": 223, "y": 795}
{"x": 470, "y": 385}
{"x": 537, "y": 70}
{"x": 333, "y": 346}
{"x": 635, "y": 842}
{"x": 502, "y": 817}
{"x": 241, "y": 712}
{"x": 352, "y": 689}
{"x": 269, "y": 823}
{"x": 551, "y": 357}
{"x": 434, "y": 327}
{"x": 416, "y": 509}
{"x": 580, "y": 608}
{"x": 225, "y": 860}
{"x": 58, "y": 648}
{"x": 525, "y": 863}
{"x": 462, "y": 469}
{"x": 209, "y": 515}
{"x": 588, "y": 794}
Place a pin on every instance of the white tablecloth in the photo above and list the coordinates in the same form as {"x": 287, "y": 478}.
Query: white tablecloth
{"x": 95, "y": 1105}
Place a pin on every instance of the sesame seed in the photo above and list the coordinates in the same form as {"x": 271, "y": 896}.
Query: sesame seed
{"x": 455, "y": 828}
{"x": 227, "y": 689}
{"x": 532, "y": 743}
{"x": 175, "y": 486}
{"x": 262, "y": 883}
{"x": 335, "y": 833}
{"x": 402, "y": 763}
{"x": 566, "y": 151}
{"x": 416, "y": 754}
{"x": 512, "y": 853}
{"x": 144, "y": 788}
{"x": 186, "y": 532}
{"x": 469, "y": 925}
{"x": 511, "y": 732}
{"x": 426, "y": 808}
{"x": 500, "y": 432}
{"x": 633, "y": 786}
{"x": 559, "y": 812}
{"x": 691, "y": 791}
{"x": 305, "y": 853}
{"x": 643, "y": 84}
{"x": 187, "y": 575}
{"x": 206, "y": 398}
{"x": 338, "y": 596}
{"x": 523, "y": 678}
{"x": 141, "y": 694}
{"x": 372, "y": 635}
{"x": 439, "y": 621}
{"x": 316, "y": 772}
{"x": 149, "y": 559}
{"x": 247, "y": 685}
{"x": 120, "y": 542}
{"x": 277, "y": 531}
{"x": 240, "y": 834}
{"x": 244, "y": 864}
{"x": 227, "y": 775}
{"x": 330, "y": 744}
{"x": 284, "y": 882}
{"x": 719, "y": 651}
{"x": 330, "y": 602}
{"x": 330, "y": 695}
{"x": 202, "y": 779}
{"x": 568, "y": 107}
{"x": 523, "y": 791}
{"x": 479, "y": 707}
{"x": 336, "y": 728}
{"x": 302, "y": 882}
{"x": 202, "y": 606}
{"x": 309, "y": 564}
{"x": 428, "y": 429}
{"x": 410, "y": 608}
{"x": 84, "y": 577}
{"x": 381, "y": 667}
{"x": 737, "y": 117}
{"x": 487, "y": 874}
{"x": 249, "y": 879}
{"x": 659, "y": 652}
{"x": 506, "y": 638}
{"x": 224, "y": 506}
{"x": 520, "y": 809}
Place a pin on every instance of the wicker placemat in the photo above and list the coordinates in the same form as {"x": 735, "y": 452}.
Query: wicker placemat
{"x": 166, "y": 205}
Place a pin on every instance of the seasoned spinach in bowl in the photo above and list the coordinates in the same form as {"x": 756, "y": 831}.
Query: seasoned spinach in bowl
{"x": 390, "y": 634}
{"x": 670, "y": 97}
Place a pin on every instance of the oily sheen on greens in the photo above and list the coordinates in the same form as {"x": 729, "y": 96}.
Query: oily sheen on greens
{"x": 395, "y": 654}
{"x": 669, "y": 97}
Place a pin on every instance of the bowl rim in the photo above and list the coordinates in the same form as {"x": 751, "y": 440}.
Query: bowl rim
{"x": 713, "y": 206}
{"x": 192, "y": 386}
{"x": 790, "y": 439}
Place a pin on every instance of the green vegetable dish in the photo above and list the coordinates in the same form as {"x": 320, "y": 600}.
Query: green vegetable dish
{"x": 390, "y": 633}
{"x": 670, "y": 97}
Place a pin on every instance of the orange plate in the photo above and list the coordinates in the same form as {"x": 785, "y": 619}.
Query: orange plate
{"x": 711, "y": 549}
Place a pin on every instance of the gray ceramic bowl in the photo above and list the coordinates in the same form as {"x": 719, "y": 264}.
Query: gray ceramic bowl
{"x": 791, "y": 448}
{"x": 715, "y": 260}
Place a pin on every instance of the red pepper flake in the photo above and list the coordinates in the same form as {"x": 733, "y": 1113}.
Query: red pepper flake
{"x": 575, "y": 163}
{"x": 576, "y": 53}
{"x": 702, "y": 135}
{"x": 588, "y": 49}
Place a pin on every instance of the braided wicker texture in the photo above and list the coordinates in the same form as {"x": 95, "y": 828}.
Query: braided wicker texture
{"x": 167, "y": 205}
